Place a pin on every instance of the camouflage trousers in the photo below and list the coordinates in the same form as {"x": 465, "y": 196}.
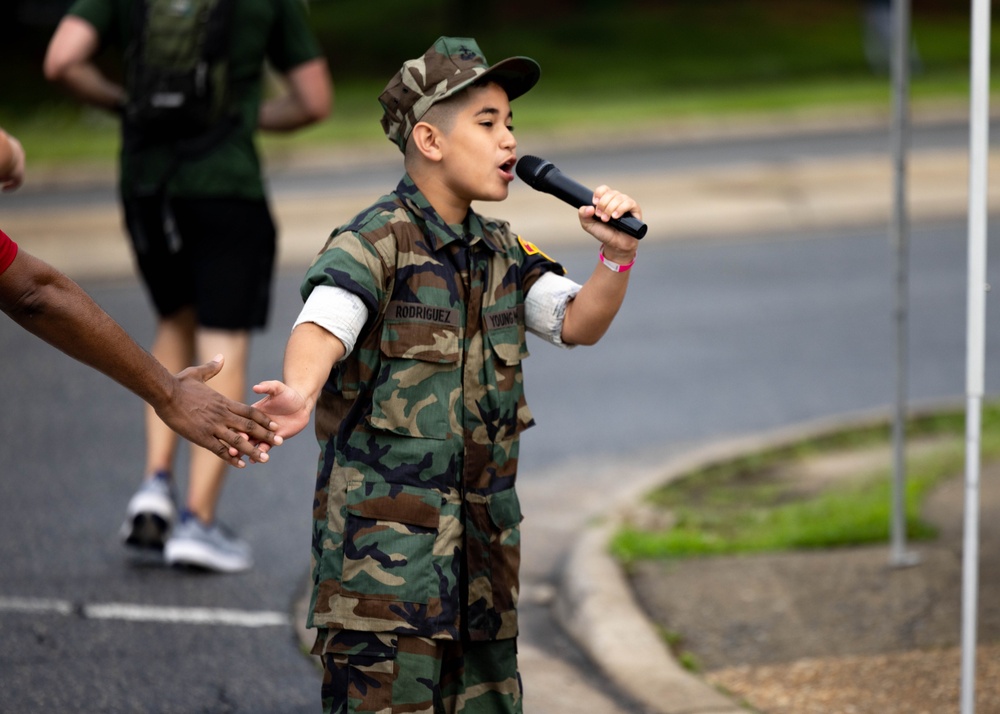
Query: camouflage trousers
{"x": 380, "y": 673}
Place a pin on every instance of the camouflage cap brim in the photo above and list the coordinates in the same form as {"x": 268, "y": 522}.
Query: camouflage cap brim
{"x": 448, "y": 67}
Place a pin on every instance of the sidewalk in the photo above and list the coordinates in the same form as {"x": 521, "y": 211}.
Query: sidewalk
{"x": 792, "y": 633}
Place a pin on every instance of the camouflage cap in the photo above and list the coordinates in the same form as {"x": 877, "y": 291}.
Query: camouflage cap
{"x": 450, "y": 65}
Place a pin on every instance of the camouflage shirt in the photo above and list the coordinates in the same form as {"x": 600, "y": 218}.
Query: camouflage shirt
{"x": 416, "y": 521}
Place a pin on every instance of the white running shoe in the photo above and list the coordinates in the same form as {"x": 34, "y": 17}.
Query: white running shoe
{"x": 194, "y": 544}
{"x": 150, "y": 514}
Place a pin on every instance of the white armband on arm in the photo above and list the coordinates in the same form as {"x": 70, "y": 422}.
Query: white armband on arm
{"x": 337, "y": 311}
{"x": 545, "y": 306}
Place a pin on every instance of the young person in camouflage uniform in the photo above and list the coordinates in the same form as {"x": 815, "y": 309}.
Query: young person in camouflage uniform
{"x": 409, "y": 347}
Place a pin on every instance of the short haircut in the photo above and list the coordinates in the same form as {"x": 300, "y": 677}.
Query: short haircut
{"x": 442, "y": 114}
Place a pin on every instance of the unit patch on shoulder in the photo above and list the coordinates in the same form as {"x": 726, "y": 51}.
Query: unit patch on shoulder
{"x": 532, "y": 249}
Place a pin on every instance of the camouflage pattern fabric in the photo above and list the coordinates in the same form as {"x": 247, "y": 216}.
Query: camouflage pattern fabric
{"x": 451, "y": 64}
{"x": 416, "y": 520}
{"x": 377, "y": 673}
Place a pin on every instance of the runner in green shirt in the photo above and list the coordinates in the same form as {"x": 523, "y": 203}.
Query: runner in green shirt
{"x": 202, "y": 233}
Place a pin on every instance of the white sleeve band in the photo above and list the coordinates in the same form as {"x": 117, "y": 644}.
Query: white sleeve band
{"x": 337, "y": 311}
{"x": 545, "y": 306}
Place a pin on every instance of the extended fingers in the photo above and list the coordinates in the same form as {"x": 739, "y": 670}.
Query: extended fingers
{"x": 259, "y": 427}
{"x": 233, "y": 446}
{"x": 227, "y": 453}
{"x": 254, "y": 423}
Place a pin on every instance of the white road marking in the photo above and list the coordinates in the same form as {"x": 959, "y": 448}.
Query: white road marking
{"x": 148, "y": 613}
{"x": 36, "y": 605}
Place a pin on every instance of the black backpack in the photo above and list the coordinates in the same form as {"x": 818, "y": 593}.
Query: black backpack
{"x": 177, "y": 69}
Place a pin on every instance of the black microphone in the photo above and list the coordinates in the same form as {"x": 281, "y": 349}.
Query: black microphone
{"x": 543, "y": 176}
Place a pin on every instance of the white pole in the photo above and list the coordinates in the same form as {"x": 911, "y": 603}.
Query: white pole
{"x": 976, "y": 343}
{"x": 900, "y": 239}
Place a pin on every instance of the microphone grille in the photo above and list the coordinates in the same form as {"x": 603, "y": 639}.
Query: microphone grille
{"x": 531, "y": 169}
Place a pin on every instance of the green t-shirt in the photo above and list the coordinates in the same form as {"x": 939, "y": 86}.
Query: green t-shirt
{"x": 273, "y": 30}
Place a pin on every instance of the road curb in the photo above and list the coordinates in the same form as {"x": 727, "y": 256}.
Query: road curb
{"x": 594, "y": 602}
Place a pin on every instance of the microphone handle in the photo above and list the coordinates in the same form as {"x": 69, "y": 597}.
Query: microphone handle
{"x": 576, "y": 194}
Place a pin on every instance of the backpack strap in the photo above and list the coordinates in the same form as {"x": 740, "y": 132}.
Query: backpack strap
{"x": 219, "y": 30}
{"x": 218, "y": 33}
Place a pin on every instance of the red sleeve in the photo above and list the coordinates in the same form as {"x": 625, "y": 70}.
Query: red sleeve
{"x": 8, "y": 251}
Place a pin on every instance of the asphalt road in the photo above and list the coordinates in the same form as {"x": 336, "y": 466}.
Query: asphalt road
{"x": 718, "y": 337}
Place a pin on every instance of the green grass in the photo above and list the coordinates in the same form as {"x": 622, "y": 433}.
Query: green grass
{"x": 59, "y": 132}
{"x": 745, "y": 506}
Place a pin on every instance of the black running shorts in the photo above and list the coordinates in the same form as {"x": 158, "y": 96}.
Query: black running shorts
{"x": 215, "y": 254}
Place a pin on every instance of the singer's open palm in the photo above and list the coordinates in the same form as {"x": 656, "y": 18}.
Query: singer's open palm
{"x": 285, "y": 406}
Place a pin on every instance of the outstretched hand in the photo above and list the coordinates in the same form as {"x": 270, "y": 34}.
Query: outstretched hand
{"x": 290, "y": 410}
{"x": 229, "y": 429}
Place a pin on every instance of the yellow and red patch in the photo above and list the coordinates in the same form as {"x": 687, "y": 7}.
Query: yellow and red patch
{"x": 532, "y": 249}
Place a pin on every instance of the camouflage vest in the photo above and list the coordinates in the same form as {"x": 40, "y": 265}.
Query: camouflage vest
{"x": 419, "y": 427}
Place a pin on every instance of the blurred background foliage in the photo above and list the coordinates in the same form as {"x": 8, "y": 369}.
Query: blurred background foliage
{"x": 610, "y": 64}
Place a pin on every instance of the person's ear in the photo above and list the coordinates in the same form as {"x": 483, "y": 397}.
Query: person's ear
{"x": 427, "y": 139}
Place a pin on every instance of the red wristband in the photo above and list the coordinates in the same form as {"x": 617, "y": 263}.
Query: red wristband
{"x": 613, "y": 266}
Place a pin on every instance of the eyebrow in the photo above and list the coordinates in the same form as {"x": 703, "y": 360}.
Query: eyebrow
{"x": 493, "y": 111}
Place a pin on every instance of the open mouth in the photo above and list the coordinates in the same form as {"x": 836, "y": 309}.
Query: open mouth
{"x": 507, "y": 168}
